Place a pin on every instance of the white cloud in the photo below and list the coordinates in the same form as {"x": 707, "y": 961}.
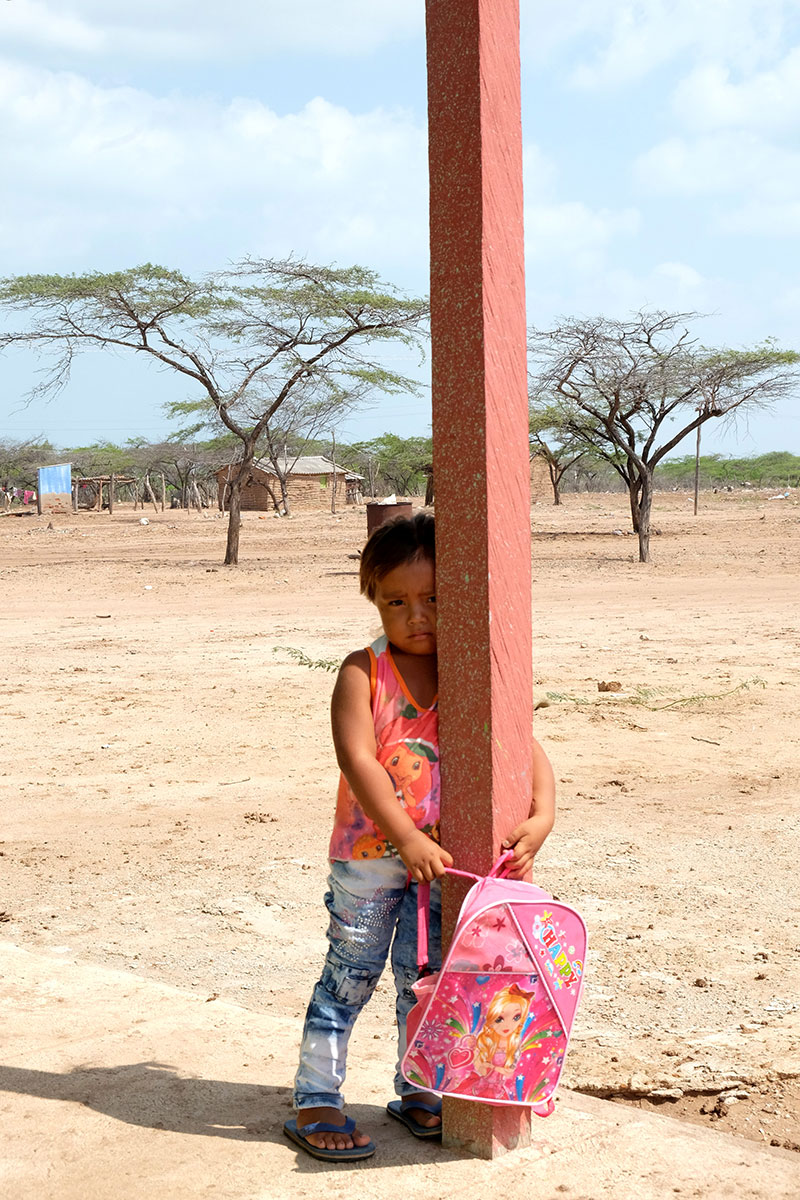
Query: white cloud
{"x": 768, "y": 101}
{"x": 736, "y": 146}
{"x": 724, "y": 163}
{"x": 678, "y": 278}
{"x": 763, "y": 219}
{"x": 567, "y": 234}
{"x": 118, "y": 171}
{"x": 573, "y": 236}
{"x": 35, "y": 21}
{"x": 205, "y": 29}
{"x": 618, "y": 291}
{"x": 618, "y": 42}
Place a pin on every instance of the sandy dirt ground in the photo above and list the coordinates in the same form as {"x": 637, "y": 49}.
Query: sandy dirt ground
{"x": 168, "y": 778}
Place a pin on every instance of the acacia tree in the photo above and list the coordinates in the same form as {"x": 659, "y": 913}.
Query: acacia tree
{"x": 248, "y": 340}
{"x": 20, "y": 459}
{"x": 549, "y": 440}
{"x": 401, "y": 463}
{"x": 633, "y": 390}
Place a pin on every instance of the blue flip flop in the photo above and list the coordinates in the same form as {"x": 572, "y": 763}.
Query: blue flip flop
{"x": 400, "y": 1110}
{"x": 301, "y": 1139}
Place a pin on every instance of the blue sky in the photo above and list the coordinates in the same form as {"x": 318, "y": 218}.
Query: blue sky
{"x": 662, "y": 166}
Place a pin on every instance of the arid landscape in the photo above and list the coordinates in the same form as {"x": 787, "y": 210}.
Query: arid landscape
{"x": 168, "y": 776}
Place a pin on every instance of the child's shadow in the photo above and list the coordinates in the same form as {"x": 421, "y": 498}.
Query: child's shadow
{"x": 154, "y": 1095}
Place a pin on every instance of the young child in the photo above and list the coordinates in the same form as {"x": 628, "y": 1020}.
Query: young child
{"x": 386, "y": 838}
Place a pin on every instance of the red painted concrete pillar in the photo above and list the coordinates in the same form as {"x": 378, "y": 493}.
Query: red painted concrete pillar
{"x": 481, "y": 464}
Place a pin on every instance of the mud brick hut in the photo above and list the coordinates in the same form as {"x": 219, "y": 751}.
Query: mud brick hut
{"x": 310, "y": 485}
{"x": 541, "y": 487}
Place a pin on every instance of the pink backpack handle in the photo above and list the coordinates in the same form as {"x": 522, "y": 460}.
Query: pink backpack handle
{"x": 498, "y": 871}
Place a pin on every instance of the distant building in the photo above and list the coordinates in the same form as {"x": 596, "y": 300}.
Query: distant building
{"x": 310, "y": 485}
{"x": 541, "y": 487}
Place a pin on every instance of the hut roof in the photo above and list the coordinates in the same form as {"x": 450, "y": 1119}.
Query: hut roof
{"x": 311, "y": 464}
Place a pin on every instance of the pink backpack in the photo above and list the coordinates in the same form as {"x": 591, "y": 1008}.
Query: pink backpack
{"x": 494, "y": 1023}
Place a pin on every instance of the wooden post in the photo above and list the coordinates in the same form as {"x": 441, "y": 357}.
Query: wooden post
{"x": 163, "y": 491}
{"x": 480, "y": 444}
{"x": 111, "y": 495}
{"x": 333, "y": 460}
{"x": 697, "y": 471}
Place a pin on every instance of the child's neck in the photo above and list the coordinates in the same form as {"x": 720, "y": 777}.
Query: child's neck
{"x": 420, "y": 674}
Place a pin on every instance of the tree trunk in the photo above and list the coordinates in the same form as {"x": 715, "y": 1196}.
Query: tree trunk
{"x": 234, "y": 521}
{"x": 284, "y": 482}
{"x": 149, "y": 494}
{"x": 644, "y": 507}
{"x": 635, "y": 497}
{"x": 555, "y": 479}
{"x": 235, "y": 505}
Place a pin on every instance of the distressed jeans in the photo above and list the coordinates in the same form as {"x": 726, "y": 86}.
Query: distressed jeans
{"x": 372, "y": 908}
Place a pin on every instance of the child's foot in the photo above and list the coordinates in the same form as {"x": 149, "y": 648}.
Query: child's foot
{"x": 420, "y": 1112}
{"x": 428, "y": 1120}
{"x": 329, "y": 1141}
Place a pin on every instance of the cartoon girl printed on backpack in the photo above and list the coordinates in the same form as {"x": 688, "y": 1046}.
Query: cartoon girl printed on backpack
{"x": 495, "y": 1050}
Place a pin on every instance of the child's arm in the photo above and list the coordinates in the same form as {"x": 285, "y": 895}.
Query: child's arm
{"x": 354, "y": 740}
{"x": 528, "y": 837}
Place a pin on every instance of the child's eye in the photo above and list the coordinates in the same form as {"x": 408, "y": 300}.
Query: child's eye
{"x": 395, "y": 603}
{"x": 431, "y": 599}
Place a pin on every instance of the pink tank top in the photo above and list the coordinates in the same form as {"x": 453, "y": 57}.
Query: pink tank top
{"x": 408, "y": 748}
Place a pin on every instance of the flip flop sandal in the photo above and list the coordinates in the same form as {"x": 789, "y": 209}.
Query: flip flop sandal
{"x": 400, "y": 1110}
{"x": 300, "y": 1138}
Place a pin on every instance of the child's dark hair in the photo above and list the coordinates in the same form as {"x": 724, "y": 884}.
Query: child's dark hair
{"x": 398, "y": 541}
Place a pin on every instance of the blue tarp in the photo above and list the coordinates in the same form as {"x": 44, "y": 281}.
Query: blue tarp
{"x": 56, "y": 480}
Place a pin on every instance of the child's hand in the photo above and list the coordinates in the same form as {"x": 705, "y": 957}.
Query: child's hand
{"x": 425, "y": 859}
{"x": 526, "y": 841}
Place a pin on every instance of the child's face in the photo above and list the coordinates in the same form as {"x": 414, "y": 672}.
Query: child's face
{"x": 406, "y": 601}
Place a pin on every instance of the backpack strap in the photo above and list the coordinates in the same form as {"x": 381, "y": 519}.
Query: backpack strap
{"x": 500, "y": 868}
{"x": 498, "y": 871}
{"x": 423, "y": 917}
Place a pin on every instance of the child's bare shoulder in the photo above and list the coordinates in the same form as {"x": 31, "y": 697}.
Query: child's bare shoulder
{"x": 359, "y": 659}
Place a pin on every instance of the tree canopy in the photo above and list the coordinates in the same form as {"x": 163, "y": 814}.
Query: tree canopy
{"x": 263, "y": 344}
{"x": 633, "y": 390}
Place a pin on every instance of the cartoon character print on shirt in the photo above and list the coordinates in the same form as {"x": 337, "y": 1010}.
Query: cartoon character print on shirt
{"x": 409, "y": 767}
{"x": 406, "y": 739}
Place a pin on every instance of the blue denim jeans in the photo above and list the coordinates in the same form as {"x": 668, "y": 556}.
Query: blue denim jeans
{"x": 372, "y": 908}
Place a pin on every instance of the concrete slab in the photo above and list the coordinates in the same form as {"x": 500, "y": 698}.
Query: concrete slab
{"x": 114, "y": 1087}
